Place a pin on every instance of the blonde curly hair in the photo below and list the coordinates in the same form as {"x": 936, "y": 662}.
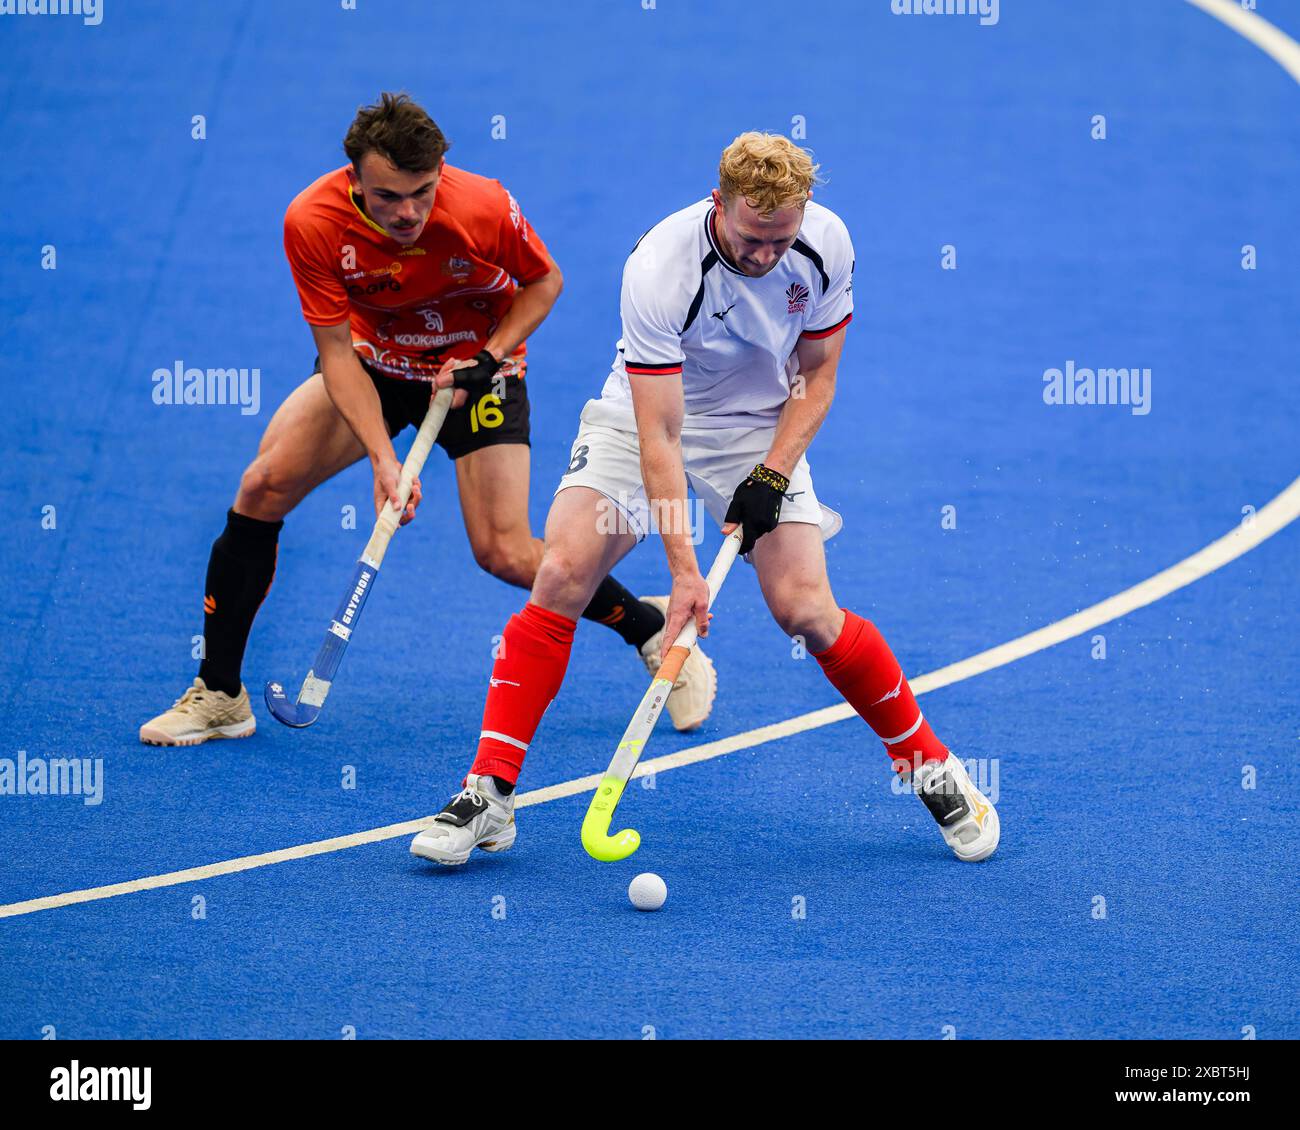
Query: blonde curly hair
{"x": 768, "y": 170}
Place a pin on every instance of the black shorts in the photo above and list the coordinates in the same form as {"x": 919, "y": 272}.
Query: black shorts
{"x": 479, "y": 423}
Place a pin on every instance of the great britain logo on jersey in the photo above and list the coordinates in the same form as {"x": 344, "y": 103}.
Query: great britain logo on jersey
{"x": 797, "y": 295}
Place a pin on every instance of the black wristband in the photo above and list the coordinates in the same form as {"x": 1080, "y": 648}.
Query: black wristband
{"x": 476, "y": 376}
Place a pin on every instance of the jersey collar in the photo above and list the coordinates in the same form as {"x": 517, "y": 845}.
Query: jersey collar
{"x": 717, "y": 246}
{"x": 362, "y": 213}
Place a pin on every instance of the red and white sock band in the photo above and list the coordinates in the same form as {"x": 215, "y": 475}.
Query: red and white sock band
{"x": 862, "y": 668}
{"x": 526, "y": 676}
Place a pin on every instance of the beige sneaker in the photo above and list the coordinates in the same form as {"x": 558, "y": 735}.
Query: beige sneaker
{"x": 200, "y": 715}
{"x": 691, "y": 700}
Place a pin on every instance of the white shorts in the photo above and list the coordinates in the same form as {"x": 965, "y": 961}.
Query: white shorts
{"x": 717, "y": 461}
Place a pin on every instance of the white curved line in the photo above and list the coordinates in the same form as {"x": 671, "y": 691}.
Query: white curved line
{"x": 1275, "y": 515}
{"x": 1278, "y": 513}
{"x": 1271, "y": 40}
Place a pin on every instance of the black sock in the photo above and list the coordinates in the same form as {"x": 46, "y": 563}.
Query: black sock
{"x": 617, "y": 608}
{"x": 504, "y": 787}
{"x": 239, "y": 576}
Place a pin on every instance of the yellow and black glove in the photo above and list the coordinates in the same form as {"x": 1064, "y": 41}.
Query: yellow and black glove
{"x": 756, "y": 505}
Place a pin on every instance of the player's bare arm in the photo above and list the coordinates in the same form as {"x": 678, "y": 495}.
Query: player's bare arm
{"x": 757, "y": 502}
{"x": 532, "y": 303}
{"x": 810, "y": 400}
{"x": 660, "y": 408}
{"x": 353, "y": 394}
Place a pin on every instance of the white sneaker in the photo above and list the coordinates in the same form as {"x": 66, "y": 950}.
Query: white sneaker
{"x": 200, "y": 715}
{"x": 967, "y": 819}
{"x": 691, "y": 699}
{"x": 478, "y": 816}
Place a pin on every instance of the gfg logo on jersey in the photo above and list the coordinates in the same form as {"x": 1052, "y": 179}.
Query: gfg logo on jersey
{"x": 797, "y": 295}
{"x": 359, "y": 291}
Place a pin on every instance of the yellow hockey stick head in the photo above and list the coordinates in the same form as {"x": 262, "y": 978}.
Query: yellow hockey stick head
{"x": 595, "y": 825}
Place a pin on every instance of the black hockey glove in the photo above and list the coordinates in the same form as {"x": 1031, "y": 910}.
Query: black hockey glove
{"x": 756, "y": 505}
{"x": 477, "y": 377}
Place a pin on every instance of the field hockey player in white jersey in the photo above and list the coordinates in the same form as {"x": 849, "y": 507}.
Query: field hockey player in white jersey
{"x": 734, "y": 313}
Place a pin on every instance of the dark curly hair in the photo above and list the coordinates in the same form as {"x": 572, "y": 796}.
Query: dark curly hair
{"x": 397, "y": 128}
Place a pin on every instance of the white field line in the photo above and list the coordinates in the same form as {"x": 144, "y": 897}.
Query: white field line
{"x": 1274, "y": 42}
{"x": 1278, "y": 513}
{"x": 1275, "y": 515}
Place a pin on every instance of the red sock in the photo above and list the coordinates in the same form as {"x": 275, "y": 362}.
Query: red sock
{"x": 525, "y": 678}
{"x": 862, "y": 668}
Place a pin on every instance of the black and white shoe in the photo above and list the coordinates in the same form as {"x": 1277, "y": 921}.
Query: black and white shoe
{"x": 476, "y": 817}
{"x": 965, "y": 816}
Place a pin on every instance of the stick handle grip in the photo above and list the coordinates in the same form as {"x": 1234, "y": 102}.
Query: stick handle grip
{"x": 390, "y": 517}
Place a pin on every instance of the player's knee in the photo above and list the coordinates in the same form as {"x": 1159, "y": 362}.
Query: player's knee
{"x": 264, "y": 491}
{"x": 803, "y": 609}
{"x": 254, "y": 483}
{"x": 560, "y": 579}
{"x": 507, "y": 561}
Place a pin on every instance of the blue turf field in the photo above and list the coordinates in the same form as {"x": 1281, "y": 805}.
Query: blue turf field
{"x": 1119, "y": 777}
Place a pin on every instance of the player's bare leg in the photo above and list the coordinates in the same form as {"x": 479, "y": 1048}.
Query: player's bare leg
{"x": 306, "y": 442}
{"x": 578, "y": 552}
{"x": 493, "y": 484}
{"x": 791, "y": 565}
{"x": 526, "y": 676}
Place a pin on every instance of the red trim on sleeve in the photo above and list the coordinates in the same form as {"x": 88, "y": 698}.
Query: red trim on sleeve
{"x": 814, "y": 334}
{"x": 652, "y": 370}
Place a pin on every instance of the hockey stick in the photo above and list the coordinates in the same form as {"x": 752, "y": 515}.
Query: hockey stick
{"x": 595, "y": 826}
{"x": 311, "y": 698}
